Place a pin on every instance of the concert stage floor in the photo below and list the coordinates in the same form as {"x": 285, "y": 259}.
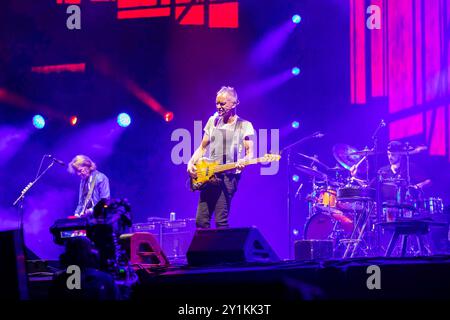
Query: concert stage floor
{"x": 400, "y": 278}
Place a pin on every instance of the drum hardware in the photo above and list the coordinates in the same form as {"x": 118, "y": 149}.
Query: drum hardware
{"x": 289, "y": 149}
{"x": 343, "y": 202}
{"x": 314, "y": 173}
{"x": 365, "y": 152}
{"x": 409, "y": 150}
{"x": 339, "y": 176}
{"x": 342, "y": 154}
{"x": 359, "y": 230}
{"x": 320, "y": 226}
{"x": 337, "y": 169}
{"x": 356, "y": 162}
{"x": 356, "y": 193}
{"x": 327, "y": 197}
{"x": 398, "y": 212}
{"x": 321, "y": 193}
{"x": 431, "y": 206}
{"x": 314, "y": 159}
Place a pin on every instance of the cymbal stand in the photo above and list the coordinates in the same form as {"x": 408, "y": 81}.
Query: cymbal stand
{"x": 408, "y": 175}
{"x": 289, "y": 149}
{"x": 378, "y": 198}
{"x": 315, "y": 189}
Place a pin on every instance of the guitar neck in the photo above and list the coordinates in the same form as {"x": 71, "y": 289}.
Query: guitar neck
{"x": 232, "y": 165}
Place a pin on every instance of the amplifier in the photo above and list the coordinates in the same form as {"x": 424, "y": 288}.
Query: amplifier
{"x": 147, "y": 227}
{"x": 313, "y": 249}
{"x": 174, "y": 236}
{"x": 154, "y": 228}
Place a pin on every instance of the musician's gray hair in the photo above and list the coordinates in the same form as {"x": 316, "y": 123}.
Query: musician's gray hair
{"x": 230, "y": 91}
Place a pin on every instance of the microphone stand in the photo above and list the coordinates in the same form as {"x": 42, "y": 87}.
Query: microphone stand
{"x": 289, "y": 172}
{"x": 21, "y": 198}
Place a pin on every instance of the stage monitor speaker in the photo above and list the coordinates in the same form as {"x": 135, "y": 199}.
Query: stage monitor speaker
{"x": 14, "y": 284}
{"x": 143, "y": 250}
{"x": 229, "y": 245}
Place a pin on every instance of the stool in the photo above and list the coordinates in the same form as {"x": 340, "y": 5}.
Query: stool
{"x": 405, "y": 229}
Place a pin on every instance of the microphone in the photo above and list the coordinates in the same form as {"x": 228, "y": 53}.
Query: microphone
{"x": 62, "y": 163}
{"x": 298, "y": 190}
{"x": 381, "y": 125}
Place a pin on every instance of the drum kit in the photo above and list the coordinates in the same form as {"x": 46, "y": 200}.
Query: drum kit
{"x": 343, "y": 202}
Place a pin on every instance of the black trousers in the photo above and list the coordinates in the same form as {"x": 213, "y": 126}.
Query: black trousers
{"x": 216, "y": 198}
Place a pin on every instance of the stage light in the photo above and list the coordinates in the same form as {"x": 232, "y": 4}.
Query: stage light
{"x": 296, "y": 18}
{"x": 168, "y": 116}
{"x": 123, "y": 120}
{"x": 295, "y": 178}
{"x": 295, "y": 232}
{"x": 295, "y": 124}
{"x": 38, "y": 121}
{"x": 295, "y": 71}
{"x": 73, "y": 120}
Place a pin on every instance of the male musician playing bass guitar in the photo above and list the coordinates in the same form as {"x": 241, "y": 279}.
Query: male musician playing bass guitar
{"x": 225, "y": 133}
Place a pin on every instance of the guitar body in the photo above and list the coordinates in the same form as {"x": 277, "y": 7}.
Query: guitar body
{"x": 206, "y": 169}
{"x": 205, "y": 173}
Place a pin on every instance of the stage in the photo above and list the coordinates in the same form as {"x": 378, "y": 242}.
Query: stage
{"x": 400, "y": 279}
{"x": 225, "y": 150}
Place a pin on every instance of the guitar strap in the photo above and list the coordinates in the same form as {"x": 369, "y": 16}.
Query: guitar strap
{"x": 237, "y": 137}
{"x": 89, "y": 195}
{"x": 236, "y": 140}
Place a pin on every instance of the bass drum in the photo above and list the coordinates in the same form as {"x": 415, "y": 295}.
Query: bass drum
{"x": 319, "y": 227}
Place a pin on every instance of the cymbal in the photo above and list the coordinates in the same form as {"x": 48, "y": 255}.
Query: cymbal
{"x": 412, "y": 150}
{"x": 314, "y": 159}
{"x": 312, "y": 172}
{"x": 343, "y": 155}
{"x": 337, "y": 169}
{"x": 365, "y": 152}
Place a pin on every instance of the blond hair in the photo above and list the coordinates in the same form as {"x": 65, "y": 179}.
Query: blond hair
{"x": 81, "y": 161}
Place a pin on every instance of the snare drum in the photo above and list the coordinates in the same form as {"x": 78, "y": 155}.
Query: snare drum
{"x": 431, "y": 206}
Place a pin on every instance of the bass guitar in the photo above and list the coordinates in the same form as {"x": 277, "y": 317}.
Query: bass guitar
{"x": 206, "y": 169}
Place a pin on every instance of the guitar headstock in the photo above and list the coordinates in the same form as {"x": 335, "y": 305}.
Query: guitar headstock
{"x": 269, "y": 157}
